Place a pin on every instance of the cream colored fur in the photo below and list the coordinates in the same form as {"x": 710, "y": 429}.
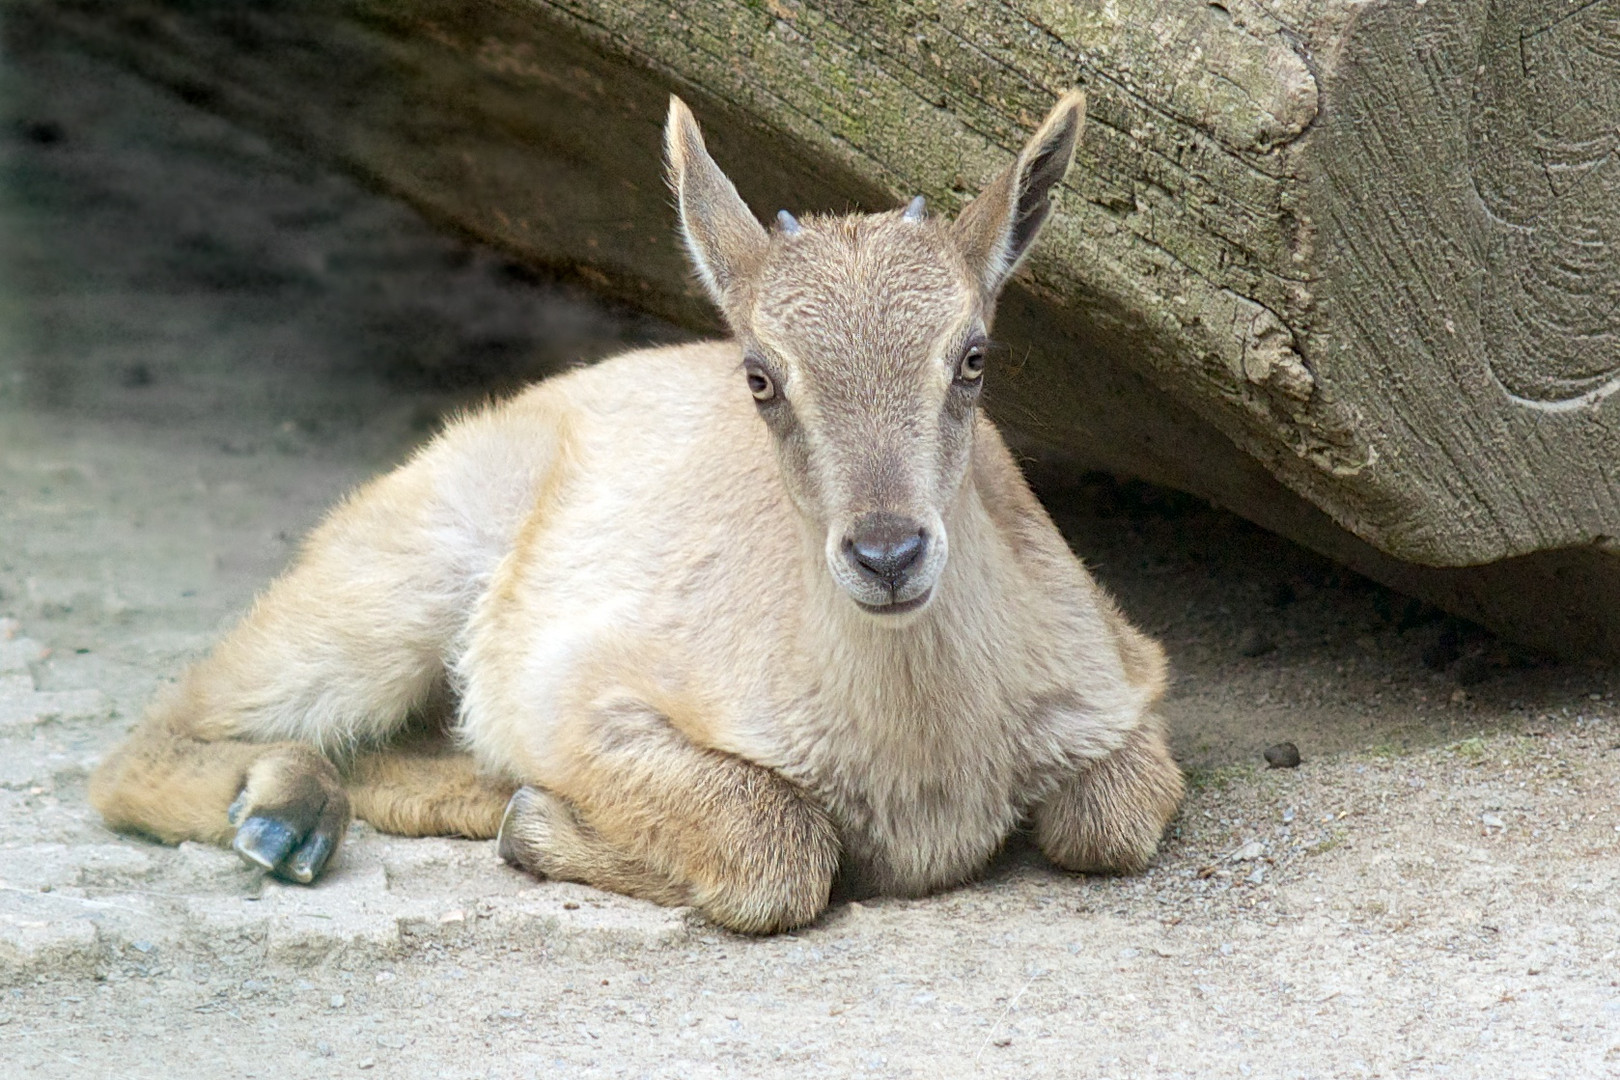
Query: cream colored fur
{"x": 632, "y": 583}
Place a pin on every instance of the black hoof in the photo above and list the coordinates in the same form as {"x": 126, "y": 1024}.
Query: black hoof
{"x": 264, "y": 842}
{"x": 309, "y": 860}
{"x": 292, "y": 843}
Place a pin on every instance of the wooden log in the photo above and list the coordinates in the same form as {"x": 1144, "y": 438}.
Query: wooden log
{"x": 1344, "y": 267}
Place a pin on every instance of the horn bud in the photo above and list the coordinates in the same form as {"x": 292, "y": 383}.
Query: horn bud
{"x": 915, "y": 209}
{"x": 787, "y": 222}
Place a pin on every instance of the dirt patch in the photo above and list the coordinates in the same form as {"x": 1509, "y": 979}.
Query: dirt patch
{"x": 203, "y": 343}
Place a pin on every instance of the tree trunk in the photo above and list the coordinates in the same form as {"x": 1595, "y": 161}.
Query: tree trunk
{"x": 1342, "y": 266}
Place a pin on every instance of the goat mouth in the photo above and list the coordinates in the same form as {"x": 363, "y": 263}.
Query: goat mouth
{"x": 897, "y": 607}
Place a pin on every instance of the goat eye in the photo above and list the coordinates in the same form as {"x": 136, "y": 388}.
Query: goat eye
{"x": 971, "y": 367}
{"x": 759, "y": 383}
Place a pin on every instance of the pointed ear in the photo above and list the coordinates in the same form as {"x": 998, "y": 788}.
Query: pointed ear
{"x": 723, "y": 238}
{"x": 997, "y": 229}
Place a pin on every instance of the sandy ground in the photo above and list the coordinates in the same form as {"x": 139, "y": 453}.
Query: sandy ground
{"x": 204, "y": 341}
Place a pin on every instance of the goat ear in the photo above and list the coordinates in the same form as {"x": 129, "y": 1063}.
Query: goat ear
{"x": 723, "y": 238}
{"x": 997, "y": 229}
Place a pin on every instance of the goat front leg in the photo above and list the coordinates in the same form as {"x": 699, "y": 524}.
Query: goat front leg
{"x": 1109, "y": 817}
{"x": 644, "y": 811}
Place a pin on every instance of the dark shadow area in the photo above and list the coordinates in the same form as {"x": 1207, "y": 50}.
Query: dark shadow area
{"x": 153, "y": 248}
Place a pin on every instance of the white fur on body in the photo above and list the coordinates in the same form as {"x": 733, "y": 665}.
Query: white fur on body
{"x": 626, "y": 525}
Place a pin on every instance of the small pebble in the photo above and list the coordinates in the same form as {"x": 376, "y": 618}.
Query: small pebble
{"x": 1284, "y": 755}
{"x": 336, "y": 1002}
{"x": 366, "y": 1063}
{"x": 1492, "y": 821}
{"x": 1249, "y": 852}
{"x": 324, "y": 1049}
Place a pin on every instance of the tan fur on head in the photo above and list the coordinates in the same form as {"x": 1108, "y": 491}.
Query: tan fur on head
{"x": 741, "y": 616}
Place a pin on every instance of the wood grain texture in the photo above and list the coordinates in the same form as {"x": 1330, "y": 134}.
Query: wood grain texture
{"x": 1343, "y": 267}
{"x": 1464, "y": 189}
{"x": 1544, "y": 127}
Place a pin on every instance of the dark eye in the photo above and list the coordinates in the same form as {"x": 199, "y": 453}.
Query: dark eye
{"x": 759, "y": 383}
{"x": 971, "y": 367}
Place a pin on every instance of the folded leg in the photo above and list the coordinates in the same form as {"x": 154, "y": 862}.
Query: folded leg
{"x": 1110, "y": 817}
{"x": 421, "y": 789}
{"x": 337, "y": 655}
{"x": 644, "y": 811}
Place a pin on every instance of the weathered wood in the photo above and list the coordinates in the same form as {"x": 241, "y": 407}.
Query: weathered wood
{"x": 1343, "y": 267}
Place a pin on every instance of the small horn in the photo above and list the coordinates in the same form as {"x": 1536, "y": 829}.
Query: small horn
{"x": 915, "y": 209}
{"x": 787, "y": 221}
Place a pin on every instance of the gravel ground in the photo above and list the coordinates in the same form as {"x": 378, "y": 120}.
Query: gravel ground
{"x": 204, "y": 341}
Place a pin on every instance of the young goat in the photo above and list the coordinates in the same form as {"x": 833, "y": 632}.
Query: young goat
{"x": 724, "y": 622}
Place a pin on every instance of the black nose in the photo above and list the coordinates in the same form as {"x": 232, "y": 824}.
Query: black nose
{"x": 884, "y": 546}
